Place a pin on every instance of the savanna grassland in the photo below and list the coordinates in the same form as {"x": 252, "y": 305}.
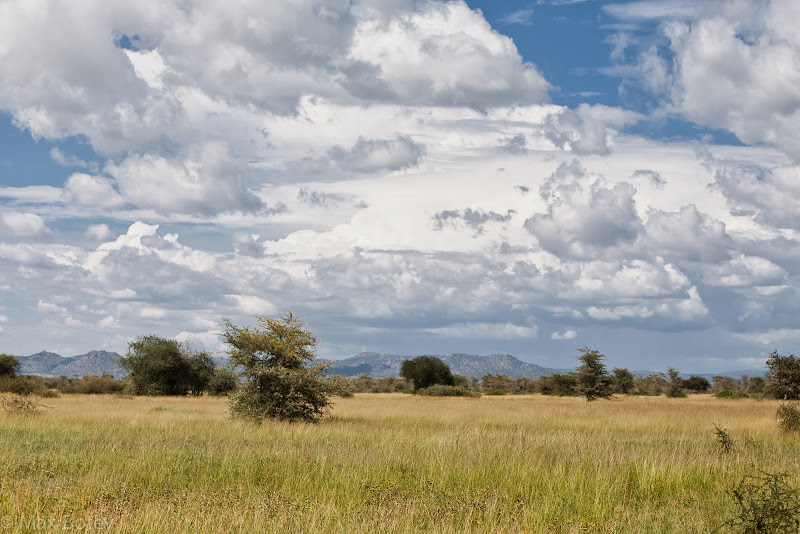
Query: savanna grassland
{"x": 385, "y": 463}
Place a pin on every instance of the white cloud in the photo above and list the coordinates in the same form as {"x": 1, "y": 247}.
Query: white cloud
{"x": 252, "y": 305}
{"x": 99, "y": 232}
{"x": 36, "y": 194}
{"x": 486, "y": 330}
{"x": 66, "y": 160}
{"x": 27, "y": 226}
{"x": 566, "y": 334}
{"x": 91, "y": 191}
{"x": 205, "y": 183}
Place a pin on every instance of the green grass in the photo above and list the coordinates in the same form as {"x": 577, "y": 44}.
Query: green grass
{"x": 388, "y": 463}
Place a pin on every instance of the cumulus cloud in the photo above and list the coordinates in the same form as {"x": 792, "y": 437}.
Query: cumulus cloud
{"x": 443, "y": 45}
{"x": 687, "y": 234}
{"x": 99, "y": 232}
{"x": 583, "y": 217}
{"x": 566, "y": 334}
{"x": 729, "y": 65}
{"x": 205, "y": 183}
{"x": 587, "y": 129}
{"x": 372, "y": 155}
{"x": 91, "y": 191}
{"x": 28, "y": 226}
{"x": 770, "y": 196}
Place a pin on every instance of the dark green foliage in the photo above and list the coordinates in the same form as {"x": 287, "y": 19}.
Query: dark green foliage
{"x": 442, "y": 390}
{"x": 198, "y": 371}
{"x": 622, "y": 381}
{"x": 424, "y": 371}
{"x": 22, "y": 385}
{"x": 724, "y": 440}
{"x": 675, "y": 386}
{"x": 222, "y": 382}
{"x": 765, "y": 502}
{"x": 160, "y": 366}
{"x": 788, "y": 416}
{"x": 558, "y": 384}
{"x": 593, "y": 380}
{"x": 9, "y": 366}
{"x": 280, "y": 381}
{"x": 696, "y": 384}
{"x": 783, "y": 376}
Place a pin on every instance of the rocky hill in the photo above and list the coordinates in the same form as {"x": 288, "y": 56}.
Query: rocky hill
{"x": 92, "y": 363}
{"x": 387, "y": 365}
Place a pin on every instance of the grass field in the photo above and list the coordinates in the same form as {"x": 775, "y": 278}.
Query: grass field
{"x": 385, "y": 463}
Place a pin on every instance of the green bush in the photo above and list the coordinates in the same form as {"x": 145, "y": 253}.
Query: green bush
{"x": 9, "y": 366}
{"x": 222, "y": 382}
{"x": 444, "y": 390}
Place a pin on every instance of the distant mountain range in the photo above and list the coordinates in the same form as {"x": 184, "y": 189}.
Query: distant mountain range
{"x": 368, "y": 363}
{"x": 388, "y": 365}
{"x": 92, "y": 363}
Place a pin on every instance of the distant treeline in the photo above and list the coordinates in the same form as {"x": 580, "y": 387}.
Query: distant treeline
{"x": 566, "y": 384}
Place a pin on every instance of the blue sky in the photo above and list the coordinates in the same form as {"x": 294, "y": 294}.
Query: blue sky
{"x": 410, "y": 177}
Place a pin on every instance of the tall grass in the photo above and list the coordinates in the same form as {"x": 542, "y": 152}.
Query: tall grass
{"x": 388, "y": 463}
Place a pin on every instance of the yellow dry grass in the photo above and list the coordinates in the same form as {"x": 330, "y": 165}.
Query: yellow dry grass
{"x": 385, "y": 463}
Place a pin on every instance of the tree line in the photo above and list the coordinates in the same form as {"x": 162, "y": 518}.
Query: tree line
{"x": 273, "y": 374}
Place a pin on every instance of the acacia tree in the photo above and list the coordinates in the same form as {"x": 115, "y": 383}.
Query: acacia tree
{"x": 783, "y": 377}
{"x": 281, "y": 379}
{"x": 593, "y": 380}
{"x": 160, "y": 366}
{"x": 9, "y": 365}
{"x": 425, "y": 371}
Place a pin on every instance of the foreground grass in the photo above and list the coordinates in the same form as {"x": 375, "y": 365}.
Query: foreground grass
{"x": 385, "y": 463}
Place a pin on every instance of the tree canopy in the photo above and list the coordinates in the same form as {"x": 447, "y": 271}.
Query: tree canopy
{"x": 281, "y": 379}
{"x": 425, "y": 371}
{"x": 9, "y": 365}
{"x": 593, "y": 380}
{"x": 783, "y": 376}
{"x": 159, "y": 366}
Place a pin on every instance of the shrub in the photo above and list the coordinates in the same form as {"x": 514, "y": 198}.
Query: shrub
{"x": 788, "y": 417}
{"x": 724, "y": 440}
{"x": 22, "y": 385}
{"x": 19, "y": 405}
{"x": 222, "y": 382}
{"x": 443, "y": 390}
{"x": 675, "y": 386}
{"x": 696, "y": 384}
{"x": 281, "y": 380}
{"x": 560, "y": 385}
{"x": 622, "y": 381}
{"x": 424, "y": 371}
{"x": 765, "y": 502}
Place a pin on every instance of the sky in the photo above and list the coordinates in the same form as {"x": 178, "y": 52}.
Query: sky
{"x": 410, "y": 177}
